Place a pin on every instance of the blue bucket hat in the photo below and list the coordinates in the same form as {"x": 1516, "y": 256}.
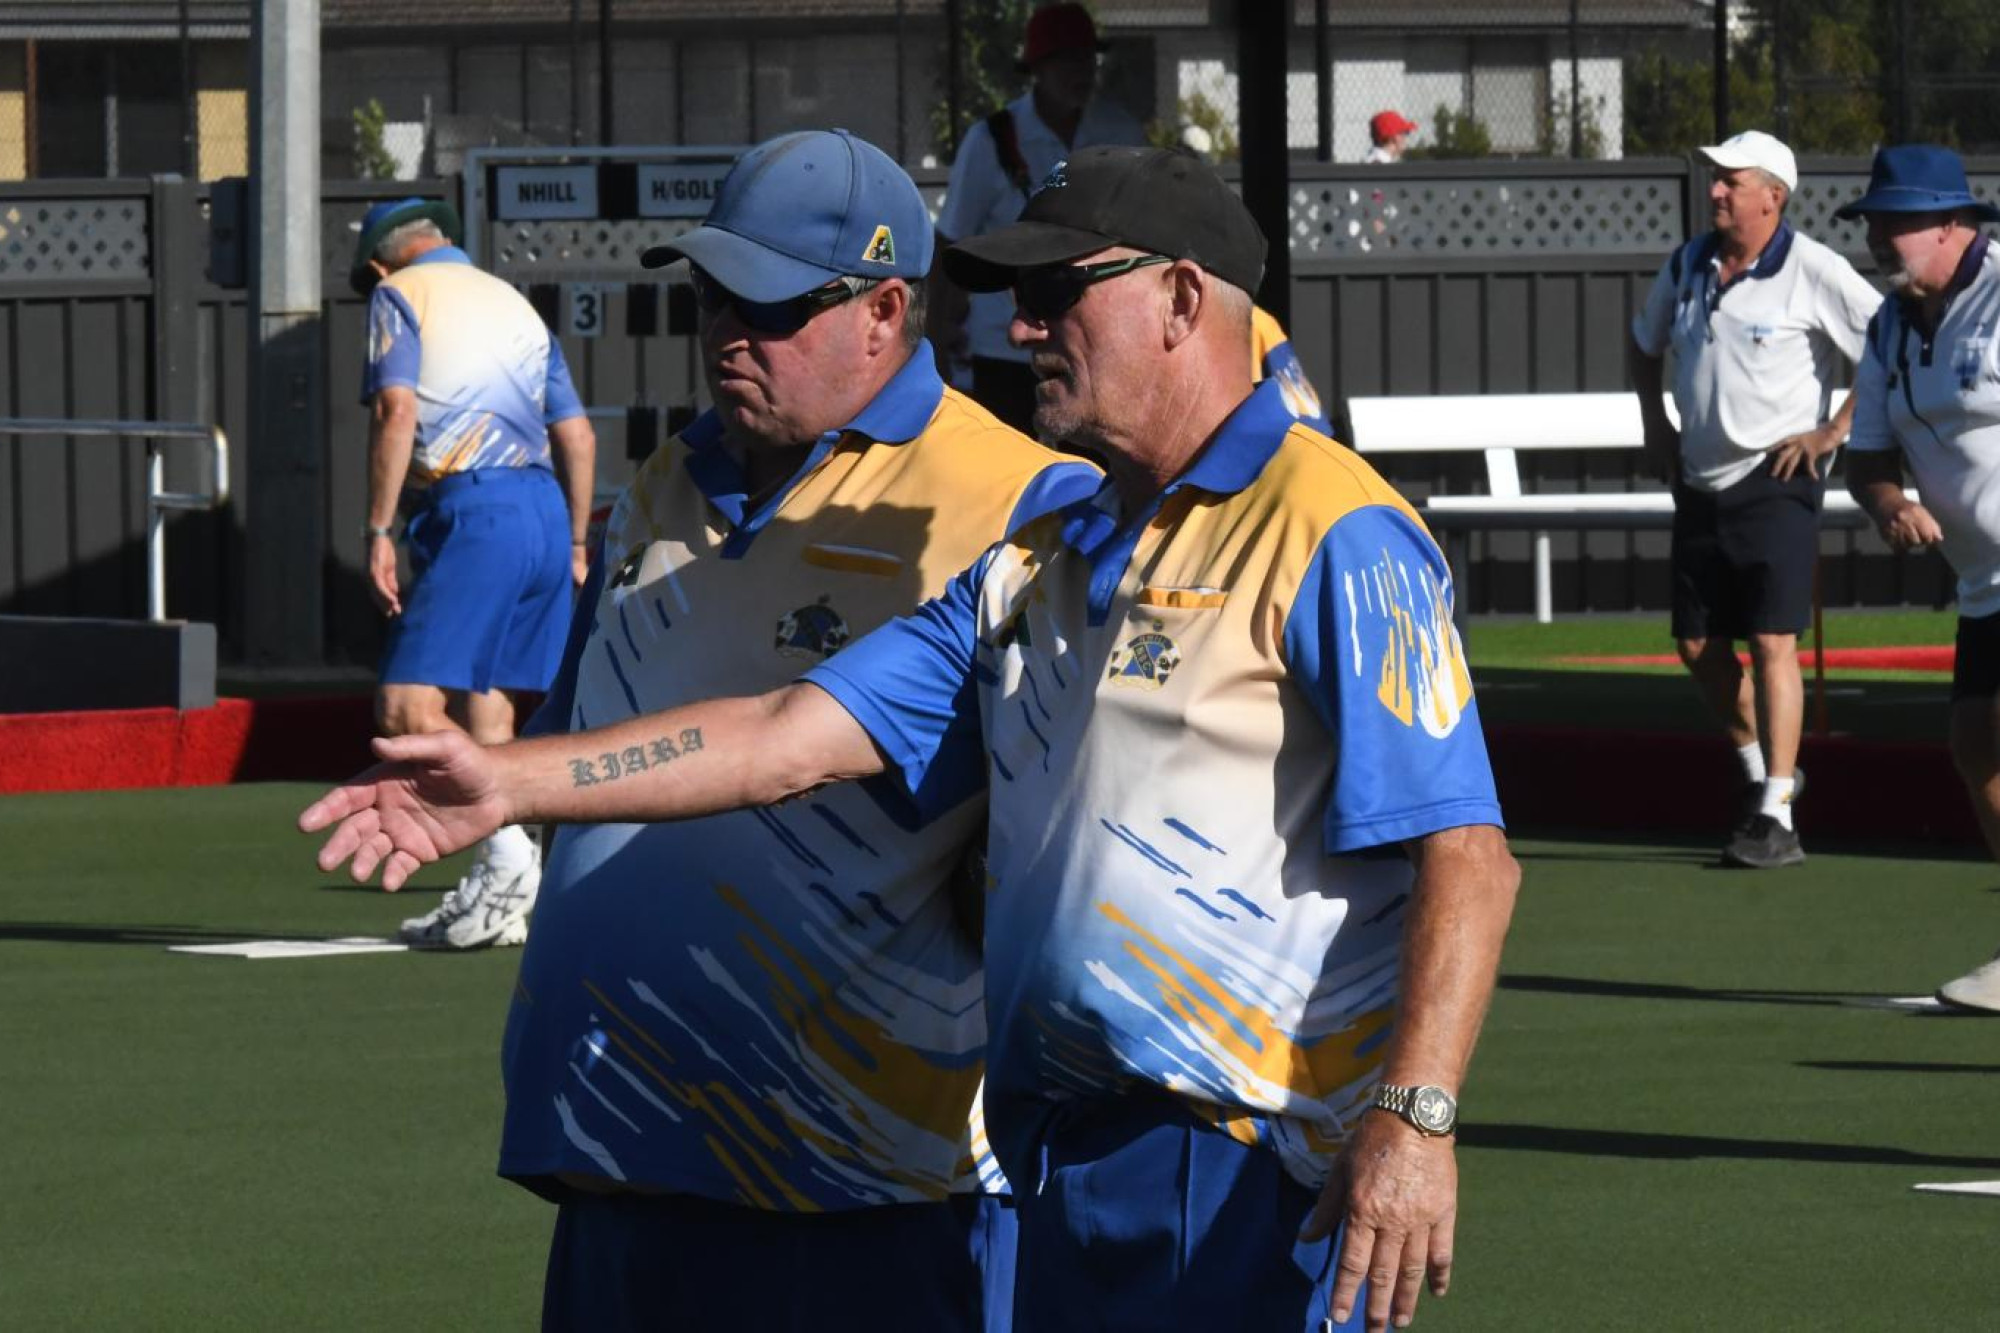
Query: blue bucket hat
{"x": 1917, "y": 178}
{"x": 384, "y": 218}
{"x": 800, "y": 210}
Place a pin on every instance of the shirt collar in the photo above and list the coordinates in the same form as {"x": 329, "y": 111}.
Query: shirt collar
{"x": 444, "y": 254}
{"x": 1962, "y": 277}
{"x": 1230, "y": 462}
{"x": 1770, "y": 262}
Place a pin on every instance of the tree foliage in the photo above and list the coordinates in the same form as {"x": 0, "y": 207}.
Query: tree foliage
{"x": 372, "y": 159}
{"x": 989, "y": 43}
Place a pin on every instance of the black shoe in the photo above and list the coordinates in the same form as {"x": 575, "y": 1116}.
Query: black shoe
{"x": 1751, "y": 802}
{"x": 1764, "y": 845}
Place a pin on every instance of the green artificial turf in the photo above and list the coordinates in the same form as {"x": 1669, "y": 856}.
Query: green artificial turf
{"x": 1526, "y": 673}
{"x": 1514, "y": 642}
{"x": 1673, "y": 1121}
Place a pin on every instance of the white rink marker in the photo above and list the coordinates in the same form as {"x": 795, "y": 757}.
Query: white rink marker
{"x": 1991, "y": 1187}
{"x": 1915, "y": 1004}
{"x": 293, "y": 948}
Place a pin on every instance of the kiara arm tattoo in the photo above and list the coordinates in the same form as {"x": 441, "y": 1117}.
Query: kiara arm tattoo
{"x": 612, "y": 765}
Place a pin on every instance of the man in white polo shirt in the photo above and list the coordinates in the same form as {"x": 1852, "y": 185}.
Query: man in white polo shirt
{"x": 1928, "y": 394}
{"x": 1755, "y": 313}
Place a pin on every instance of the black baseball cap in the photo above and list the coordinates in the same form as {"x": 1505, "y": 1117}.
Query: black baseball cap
{"x": 1163, "y": 200}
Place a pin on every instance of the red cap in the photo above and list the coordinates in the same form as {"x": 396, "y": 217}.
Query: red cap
{"x": 1386, "y": 125}
{"x": 1055, "y": 29}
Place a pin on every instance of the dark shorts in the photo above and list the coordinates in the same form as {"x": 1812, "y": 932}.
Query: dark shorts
{"x": 646, "y": 1262}
{"x": 1744, "y": 558}
{"x": 1975, "y": 667}
{"x": 1006, "y": 389}
{"x": 488, "y": 602}
{"x": 1149, "y": 1219}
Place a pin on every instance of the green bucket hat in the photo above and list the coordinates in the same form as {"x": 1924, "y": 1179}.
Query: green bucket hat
{"x": 384, "y": 218}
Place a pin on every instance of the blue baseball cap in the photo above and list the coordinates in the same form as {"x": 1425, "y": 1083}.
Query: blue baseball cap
{"x": 800, "y": 210}
{"x": 1917, "y": 178}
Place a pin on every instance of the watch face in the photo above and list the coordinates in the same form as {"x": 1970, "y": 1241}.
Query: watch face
{"x": 1432, "y": 1110}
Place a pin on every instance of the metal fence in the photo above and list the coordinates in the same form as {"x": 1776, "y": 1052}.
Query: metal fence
{"x": 130, "y": 87}
{"x": 1425, "y": 278}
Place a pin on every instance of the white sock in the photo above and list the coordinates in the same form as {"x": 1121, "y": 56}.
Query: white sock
{"x": 509, "y": 849}
{"x": 1778, "y": 799}
{"x": 1751, "y": 756}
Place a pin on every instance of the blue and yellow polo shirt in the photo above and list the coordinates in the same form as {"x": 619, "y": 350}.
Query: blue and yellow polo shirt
{"x": 489, "y": 378}
{"x": 1203, "y": 729}
{"x": 1272, "y": 357}
{"x": 773, "y": 1007}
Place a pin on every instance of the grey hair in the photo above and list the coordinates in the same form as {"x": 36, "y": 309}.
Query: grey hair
{"x": 1771, "y": 180}
{"x": 1234, "y": 303}
{"x": 389, "y": 250}
{"x": 915, "y": 313}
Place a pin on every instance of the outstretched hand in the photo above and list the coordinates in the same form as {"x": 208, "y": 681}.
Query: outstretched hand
{"x": 431, "y": 795}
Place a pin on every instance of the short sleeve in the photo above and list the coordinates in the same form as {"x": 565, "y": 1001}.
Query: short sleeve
{"x": 1870, "y": 432}
{"x": 1847, "y": 302}
{"x": 976, "y": 179}
{"x": 560, "y": 402}
{"x": 1654, "y": 323}
{"x": 911, "y": 686}
{"x": 395, "y": 350}
{"x": 1370, "y": 641}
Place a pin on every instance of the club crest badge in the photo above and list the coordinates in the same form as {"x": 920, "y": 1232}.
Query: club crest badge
{"x": 816, "y": 630}
{"x": 1057, "y": 178}
{"x": 1146, "y": 660}
{"x": 881, "y": 246}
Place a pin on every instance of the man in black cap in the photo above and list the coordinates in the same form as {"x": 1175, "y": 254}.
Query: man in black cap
{"x": 1246, "y": 883}
{"x": 476, "y": 432}
{"x": 1927, "y": 394}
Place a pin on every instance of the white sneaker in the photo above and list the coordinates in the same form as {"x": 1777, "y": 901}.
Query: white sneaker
{"x": 488, "y": 907}
{"x": 1978, "y": 989}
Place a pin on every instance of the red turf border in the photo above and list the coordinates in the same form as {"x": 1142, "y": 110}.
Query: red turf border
{"x": 1549, "y": 777}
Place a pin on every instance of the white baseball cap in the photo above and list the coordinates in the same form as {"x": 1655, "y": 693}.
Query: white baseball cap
{"x": 1754, "y": 148}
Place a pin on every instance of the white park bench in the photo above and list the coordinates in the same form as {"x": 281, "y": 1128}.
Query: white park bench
{"x": 1499, "y": 426}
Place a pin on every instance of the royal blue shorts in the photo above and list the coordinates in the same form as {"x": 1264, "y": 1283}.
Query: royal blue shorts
{"x": 489, "y": 601}
{"x": 647, "y": 1262}
{"x": 1148, "y": 1219}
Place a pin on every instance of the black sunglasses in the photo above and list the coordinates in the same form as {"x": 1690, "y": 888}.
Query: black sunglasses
{"x": 1043, "y": 293}
{"x": 774, "y": 316}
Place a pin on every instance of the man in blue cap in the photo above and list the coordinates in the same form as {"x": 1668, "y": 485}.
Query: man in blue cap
{"x": 1927, "y": 396}
{"x": 745, "y": 1053}
{"x": 1246, "y": 882}
{"x": 476, "y": 433}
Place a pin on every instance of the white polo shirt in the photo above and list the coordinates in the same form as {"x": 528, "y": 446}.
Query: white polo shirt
{"x": 980, "y": 198}
{"x": 1753, "y": 358}
{"x": 1937, "y": 399}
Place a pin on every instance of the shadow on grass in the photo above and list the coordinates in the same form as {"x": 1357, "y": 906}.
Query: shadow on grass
{"x": 62, "y": 932}
{"x": 1896, "y": 1067}
{"x": 1686, "y": 1147}
{"x": 375, "y": 889}
{"x": 1657, "y": 990}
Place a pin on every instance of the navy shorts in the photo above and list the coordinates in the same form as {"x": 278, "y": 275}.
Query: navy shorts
{"x": 1975, "y": 666}
{"x": 646, "y": 1262}
{"x": 488, "y": 604}
{"x": 1744, "y": 557}
{"x": 1149, "y": 1219}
